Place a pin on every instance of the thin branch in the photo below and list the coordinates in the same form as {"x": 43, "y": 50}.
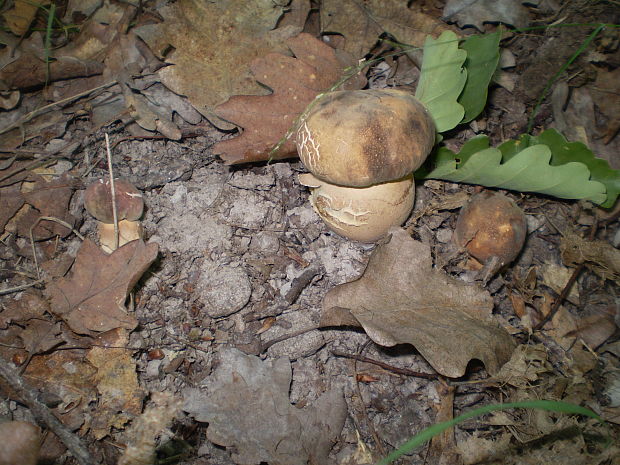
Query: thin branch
{"x": 385, "y": 366}
{"x": 112, "y": 189}
{"x": 44, "y": 415}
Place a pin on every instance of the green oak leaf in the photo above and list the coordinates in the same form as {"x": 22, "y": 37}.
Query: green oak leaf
{"x": 442, "y": 79}
{"x": 525, "y": 170}
{"x": 563, "y": 152}
{"x": 481, "y": 63}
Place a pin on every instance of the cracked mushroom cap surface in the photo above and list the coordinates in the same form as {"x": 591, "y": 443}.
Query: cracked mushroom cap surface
{"x": 365, "y": 137}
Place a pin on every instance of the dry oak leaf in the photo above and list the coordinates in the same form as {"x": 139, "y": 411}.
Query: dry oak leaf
{"x": 295, "y": 82}
{"x": 361, "y": 23}
{"x": 93, "y": 297}
{"x": 246, "y": 403}
{"x": 120, "y": 395}
{"x": 400, "y": 298}
{"x": 51, "y": 199}
{"x": 213, "y": 44}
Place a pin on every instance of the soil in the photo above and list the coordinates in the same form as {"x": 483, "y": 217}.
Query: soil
{"x": 245, "y": 261}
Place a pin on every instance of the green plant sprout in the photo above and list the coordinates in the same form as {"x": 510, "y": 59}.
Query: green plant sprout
{"x": 434, "y": 430}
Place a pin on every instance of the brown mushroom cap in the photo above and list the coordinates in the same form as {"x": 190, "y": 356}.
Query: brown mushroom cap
{"x": 365, "y": 137}
{"x": 491, "y": 225}
{"x": 98, "y": 201}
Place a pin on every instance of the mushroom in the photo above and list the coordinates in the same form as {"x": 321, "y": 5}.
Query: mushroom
{"x": 491, "y": 226}
{"x": 129, "y": 208}
{"x": 362, "y": 148}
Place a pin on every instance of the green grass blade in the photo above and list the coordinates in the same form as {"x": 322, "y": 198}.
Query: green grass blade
{"x": 434, "y": 430}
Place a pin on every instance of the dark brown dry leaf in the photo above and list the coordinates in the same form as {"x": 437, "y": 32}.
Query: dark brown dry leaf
{"x": 29, "y": 305}
{"x": 93, "y": 297}
{"x": 361, "y": 23}
{"x": 600, "y": 257}
{"x": 400, "y": 298}
{"x": 11, "y": 200}
{"x": 41, "y": 335}
{"x": 29, "y": 69}
{"x": 212, "y": 46}
{"x": 295, "y": 82}
{"x": 595, "y": 329}
{"x": 48, "y": 199}
{"x": 246, "y": 403}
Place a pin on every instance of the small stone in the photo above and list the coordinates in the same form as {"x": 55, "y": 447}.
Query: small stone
{"x": 224, "y": 289}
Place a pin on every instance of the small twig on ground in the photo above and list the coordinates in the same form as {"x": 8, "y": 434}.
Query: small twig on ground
{"x": 34, "y": 250}
{"x": 363, "y": 410}
{"x": 385, "y": 366}
{"x": 114, "y": 212}
{"x": 569, "y": 284}
{"x": 45, "y": 416}
{"x": 284, "y": 337}
{"x": 10, "y": 290}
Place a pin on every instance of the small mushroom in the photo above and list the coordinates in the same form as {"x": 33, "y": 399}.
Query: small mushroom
{"x": 362, "y": 148}
{"x": 361, "y": 213}
{"x": 129, "y": 208}
{"x": 98, "y": 201}
{"x": 491, "y": 226}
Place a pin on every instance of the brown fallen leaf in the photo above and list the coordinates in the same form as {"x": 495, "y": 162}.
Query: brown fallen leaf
{"x": 51, "y": 199}
{"x": 246, "y": 403}
{"x": 213, "y": 44}
{"x": 400, "y": 298}
{"x": 19, "y": 17}
{"x": 361, "y": 23}
{"x": 11, "y": 200}
{"x": 120, "y": 395}
{"x": 599, "y": 256}
{"x": 29, "y": 305}
{"x": 295, "y": 82}
{"x": 41, "y": 335}
{"x": 93, "y": 297}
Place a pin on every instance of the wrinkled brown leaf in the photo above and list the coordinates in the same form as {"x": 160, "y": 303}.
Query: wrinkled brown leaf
{"x": 246, "y": 403}
{"x": 19, "y": 17}
{"x": 214, "y": 42}
{"x": 361, "y": 23}
{"x": 48, "y": 199}
{"x": 601, "y": 257}
{"x": 29, "y": 305}
{"x": 525, "y": 366}
{"x": 41, "y": 335}
{"x": 11, "y": 200}
{"x": 400, "y": 298}
{"x": 120, "y": 395}
{"x": 93, "y": 297}
{"x": 295, "y": 83}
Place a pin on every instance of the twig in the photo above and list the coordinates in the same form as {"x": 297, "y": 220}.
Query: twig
{"x": 385, "y": 366}
{"x": 114, "y": 213}
{"x": 45, "y": 416}
{"x": 557, "y": 302}
{"x": 34, "y": 250}
{"x": 10, "y": 290}
{"x": 363, "y": 410}
{"x": 284, "y": 337}
{"x": 24, "y": 119}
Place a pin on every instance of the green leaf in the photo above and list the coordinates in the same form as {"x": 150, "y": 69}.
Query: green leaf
{"x": 442, "y": 79}
{"x": 563, "y": 152}
{"x": 482, "y": 58}
{"x": 519, "y": 168}
{"x": 428, "y": 433}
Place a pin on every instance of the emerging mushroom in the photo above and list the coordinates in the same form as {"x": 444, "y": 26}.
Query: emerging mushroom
{"x": 129, "y": 208}
{"x": 362, "y": 147}
{"x": 491, "y": 226}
